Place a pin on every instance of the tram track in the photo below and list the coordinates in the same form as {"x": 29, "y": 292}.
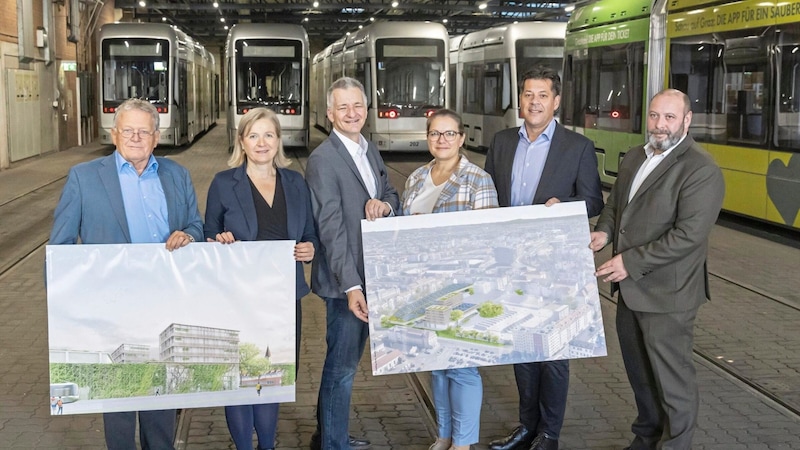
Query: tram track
{"x": 720, "y": 365}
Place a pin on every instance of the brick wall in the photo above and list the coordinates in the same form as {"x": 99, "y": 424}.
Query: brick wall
{"x": 8, "y": 20}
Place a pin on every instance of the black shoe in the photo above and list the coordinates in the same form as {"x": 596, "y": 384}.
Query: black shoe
{"x": 355, "y": 443}
{"x": 542, "y": 442}
{"x": 520, "y": 438}
{"x": 358, "y": 444}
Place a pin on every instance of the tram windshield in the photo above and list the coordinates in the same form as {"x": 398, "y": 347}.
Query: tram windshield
{"x": 269, "y": 73}
{"x": 410, "y": 76}
{"x": 135, "y": 68}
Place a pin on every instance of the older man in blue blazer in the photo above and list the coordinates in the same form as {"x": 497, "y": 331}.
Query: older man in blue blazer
{"x": 542, "y": 162}
{"x": 130, "y": 197}
{"x": 348, "y": 182}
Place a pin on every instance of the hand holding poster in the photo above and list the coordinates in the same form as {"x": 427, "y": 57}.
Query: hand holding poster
{"x": 481, "y": 288}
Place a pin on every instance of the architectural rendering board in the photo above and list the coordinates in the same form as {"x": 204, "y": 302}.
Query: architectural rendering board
{"x": 481, "y": 288}
{"x": 136, "y": 327}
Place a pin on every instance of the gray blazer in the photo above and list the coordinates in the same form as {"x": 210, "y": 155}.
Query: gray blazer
{"x": 663, "y": 232}
{"x": 91, "y": 206}
{"x": 338, "y": 198}
{"x": 570, "y": 171}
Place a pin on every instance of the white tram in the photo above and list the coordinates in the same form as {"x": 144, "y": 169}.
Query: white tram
{"x": 268, "y": 66}
{"x": 159, "y": 63}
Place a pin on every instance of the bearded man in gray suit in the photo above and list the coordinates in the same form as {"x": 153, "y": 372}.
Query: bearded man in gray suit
{"x": 348, "y": 183}
{"x": 659, "y": 215}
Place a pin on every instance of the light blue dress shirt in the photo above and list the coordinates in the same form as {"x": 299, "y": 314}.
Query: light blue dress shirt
{"x": 144, "y": 200}
{"x": 529, "y": 162}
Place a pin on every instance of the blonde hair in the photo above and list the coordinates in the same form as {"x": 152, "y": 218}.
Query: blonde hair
{"x": 245, "y": 124}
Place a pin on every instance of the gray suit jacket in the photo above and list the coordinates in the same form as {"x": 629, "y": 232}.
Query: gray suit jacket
{"x": 570, "y": 171}
{"x": 338, "y": 198}
{"x": 91, "y": 206}
{"x": 662, "y": 233}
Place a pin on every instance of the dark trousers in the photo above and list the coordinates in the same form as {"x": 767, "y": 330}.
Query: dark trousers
{"x": 657, "y": 351}
{"x": 543, "y": 388}
{"x": 156, "y": 430}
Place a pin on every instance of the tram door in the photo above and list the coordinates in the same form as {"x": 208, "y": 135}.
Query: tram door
{"x": 67, "y": 106}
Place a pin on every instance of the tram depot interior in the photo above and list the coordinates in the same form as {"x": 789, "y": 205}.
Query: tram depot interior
{"x": 736, "y": 60}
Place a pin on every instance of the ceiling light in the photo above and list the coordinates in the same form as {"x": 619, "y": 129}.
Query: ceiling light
{"x": 222, "y": 19}
{"x": 142, "y": 3}
{"x": 305, "y": 19}
{"x": 316, "y": 4}
{"x": 360, "y": 27}
{"x": 395, "y": 4}
{"x": 482, "y": 6}
{"x": 163, "y": 19}
{"x": 216, "y": 4}
{"x": 372, "y": 19}
{"x": 569, "y": 8}
{"x": 225, "y": 27}
{"x": 444, "y": 20}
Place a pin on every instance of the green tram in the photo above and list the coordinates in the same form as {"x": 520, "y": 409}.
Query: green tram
{"x": 738, "y": 62}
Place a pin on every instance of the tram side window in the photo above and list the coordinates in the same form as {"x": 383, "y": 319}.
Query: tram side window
{"x": 365, "y": 77}
{"x": 473, "y": 96}
{"x": 788, "y": 121}
{"x": 618, "y": 86}
{"x": 745, "y": 89}
{"x": 575, "y": 101}
{"x": 696, "y": 68}
{"x": 496, "y": 88}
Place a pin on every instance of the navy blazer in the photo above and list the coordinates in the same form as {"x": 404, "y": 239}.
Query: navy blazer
{"x": 570, "y": 171}
{"x": 230, "y": 207}
{"x": 91, "y": 206}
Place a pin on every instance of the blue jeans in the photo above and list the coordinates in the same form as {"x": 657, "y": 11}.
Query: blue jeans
{"x": 242, "y": 419}
{"x": 156, "y": 430}
{"x": 346, "y": 336}
{"x": 457, "y": 397}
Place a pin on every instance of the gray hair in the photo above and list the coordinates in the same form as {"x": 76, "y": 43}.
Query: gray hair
{"x": 345, "y": 83}
{"x": 133, "y": 104}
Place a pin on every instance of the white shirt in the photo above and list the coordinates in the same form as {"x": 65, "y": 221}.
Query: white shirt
{"x": 649, "y": 166}
{"x": 427, "y": 196}
{"x": 358, "y": 151}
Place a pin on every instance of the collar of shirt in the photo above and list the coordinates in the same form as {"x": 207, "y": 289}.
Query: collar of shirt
{"x": 123, "y": 164}
{"x": 648, "y": 149}
{"x": 547, "y": 133}
{"x": 354, "y": 148}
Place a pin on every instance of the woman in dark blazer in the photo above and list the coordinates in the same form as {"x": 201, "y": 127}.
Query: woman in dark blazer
{"x": 259, "y": 199}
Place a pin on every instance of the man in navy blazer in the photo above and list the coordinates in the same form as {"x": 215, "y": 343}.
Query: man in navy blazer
{"x": 130, "y": 197}
{"x": 659, "y": 216}
{"x": 348, "y": 183}
{"x": 542, "y": 162}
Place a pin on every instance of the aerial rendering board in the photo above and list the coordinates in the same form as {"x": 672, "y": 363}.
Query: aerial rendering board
{"x": 481, "y": 288}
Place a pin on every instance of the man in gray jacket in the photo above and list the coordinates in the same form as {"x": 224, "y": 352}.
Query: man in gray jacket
{"x": 348, "y": 183}
{"x": 659, "y": 215}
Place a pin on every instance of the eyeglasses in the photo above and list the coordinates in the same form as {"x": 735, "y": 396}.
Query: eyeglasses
{"x": 449, "y": 135}
{"x": 128, "y": 133}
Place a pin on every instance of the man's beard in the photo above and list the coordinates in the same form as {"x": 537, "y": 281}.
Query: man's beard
{"x": 667, "y": 142}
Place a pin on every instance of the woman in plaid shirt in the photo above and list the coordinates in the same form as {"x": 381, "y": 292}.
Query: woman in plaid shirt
{"x": 451, "y": 183}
